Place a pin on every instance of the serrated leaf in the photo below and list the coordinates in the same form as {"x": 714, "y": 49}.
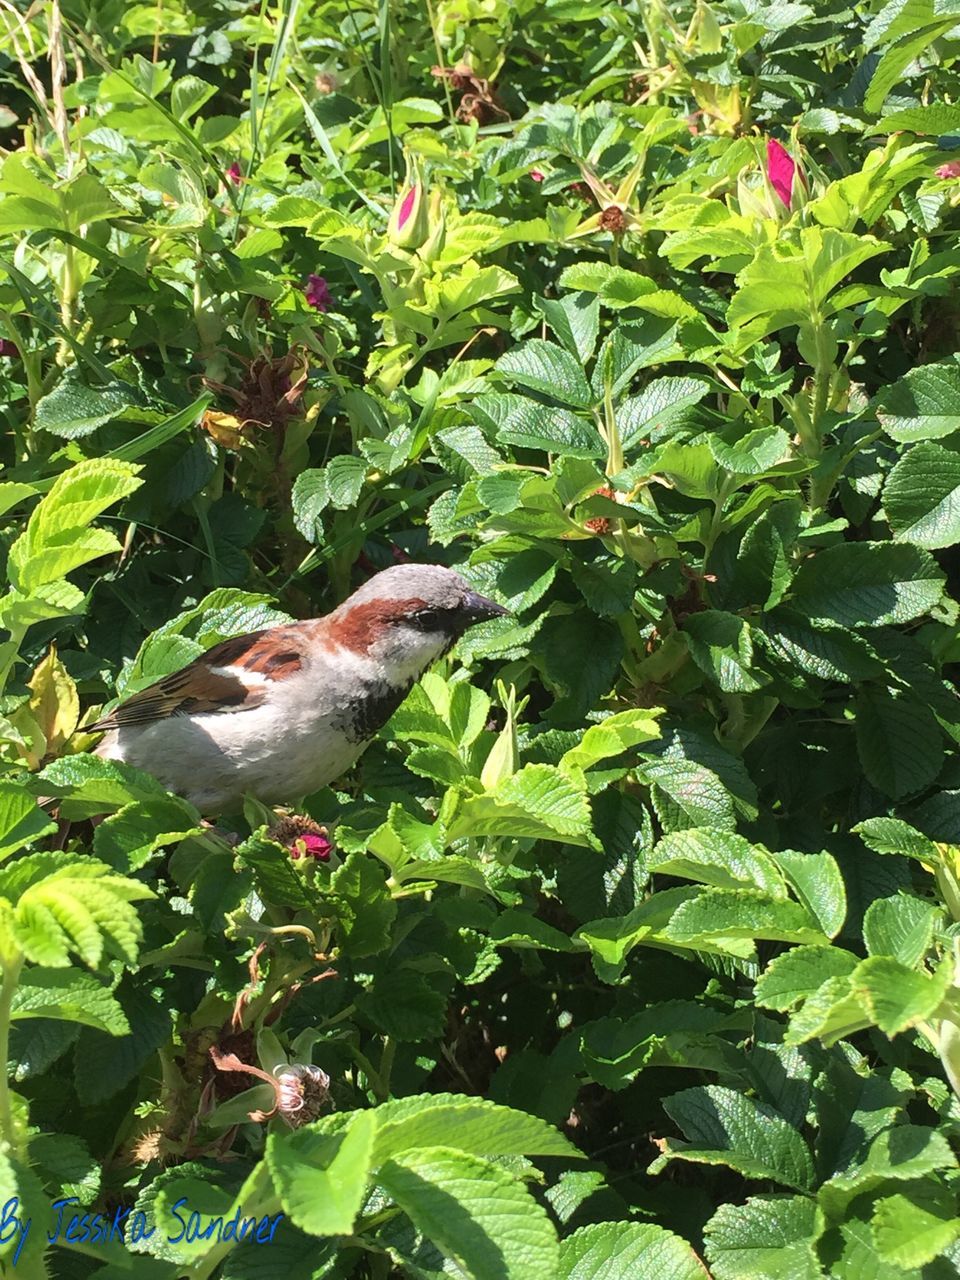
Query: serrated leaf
{"x": 539, "y": 801}
{"x": 722, "y": 1126}
{"x": 921, "y": 497}
{"x": 475, "y": 1212}
{"x": 627, "y": 1251}
{"x": 474, "y": 1125}
{"x": 68, "y": 996}
{"x": 923, "y": 405}
{"x": 900, "y": 1154}
{"x": 718, "y": 858}
{"x": 322, "y": 1178}
{"x": 908, "y": 1234}
{"x": 21, "y": 819}
{"x": 764, "y": 1237}
{"x": 794, "y": 976}
{"x": 868, "y": 584}
{"x": 548, "y": 369}
{"x": 898, "y": 740}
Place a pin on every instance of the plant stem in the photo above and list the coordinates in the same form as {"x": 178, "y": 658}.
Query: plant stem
{"x": 8, "y": 985}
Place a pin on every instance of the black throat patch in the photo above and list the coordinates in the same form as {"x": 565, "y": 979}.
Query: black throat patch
{"x": 363, "y": 715}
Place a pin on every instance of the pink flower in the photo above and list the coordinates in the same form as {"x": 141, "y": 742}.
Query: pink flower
{"x": 9, "y": 349}
{"x": 781, "y": 170}
{"x": 317, "y": 293}
{"x": 311, "y": 846}
{"x": 235, "y": 173}
{"x": 536, "y": 175}
{"x": 949, "y": 170}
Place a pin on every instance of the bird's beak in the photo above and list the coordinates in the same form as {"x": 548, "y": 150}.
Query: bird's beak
{"x": 477, "y": 608}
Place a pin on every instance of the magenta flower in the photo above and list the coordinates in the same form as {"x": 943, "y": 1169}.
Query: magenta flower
{"x": 9, "y": 349}
{"x": 234, "y": 173}
{"x": 310, "y": 845}
{"x": 781, "y": 170}
{"x": 536, "y": 175}
{"x": 317, "y": 293}
{"x": 949, "y": 170}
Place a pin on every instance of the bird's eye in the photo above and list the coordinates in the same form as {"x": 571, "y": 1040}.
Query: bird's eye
{"x": 427, "y": 619}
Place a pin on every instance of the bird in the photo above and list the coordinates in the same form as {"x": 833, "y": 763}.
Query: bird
{"x": 280, "y": 713}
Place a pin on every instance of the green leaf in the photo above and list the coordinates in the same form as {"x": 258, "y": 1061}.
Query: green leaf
{"x": 901, "y": 1154}
{"x": 627, "y": 1251}
{"x": 539, "y": 802}
{"x": 718, "y": 914}
{"x": 402, "y": 1004}
{"x": 794, "y": 976}
{"x": 73, "y": 410}
{"x": 764, "y": 1237}
{"x": 474, "y": 1125}
{"x": 475, "y": 1212}
{"x": 868, "y": 584}
{"x": 935, "y": 118}
{"x": 893, "y": 835}
{"x": 923, "y": 405}
{"x": 21, "y": 819}
{"x": 69, "y": 996}
{"x": 717, "y": 858}
{"x": 322, "y": 1177}
{"x": 575, "y": 319}
{"x": 921, "y": 497}
{"x": 663, "y": 404}
{"x": 899, "y": 741}
{"x": 897, "y": 997}
{"x": 816, "y": 881}
{"x": 611, "y": 737}
{"x": 722, "y": 1126}
{"x": 520, "y": 421}
{"x": 902, "y": 927}
{"x": 821, "y": 650}
{"x": 548, "y": 369}
{"x": 66, "y": 904}
{"x": 721, "y": 646}
{"x": 910, "y": 1235}
{"x": 364, "y": 907}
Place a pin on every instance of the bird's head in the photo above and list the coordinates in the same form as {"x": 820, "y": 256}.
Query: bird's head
{"x": 407, "y": 616}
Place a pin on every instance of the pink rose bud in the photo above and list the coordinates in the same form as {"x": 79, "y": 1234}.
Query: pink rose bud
{"x": 949, "y": 170}
{"x": 409, "y": 227}
{"x": 536, "y": 175}
{"x": 235, "y": 174}
{"x": 781, "y": 170}
{"x": 8, "y": 349}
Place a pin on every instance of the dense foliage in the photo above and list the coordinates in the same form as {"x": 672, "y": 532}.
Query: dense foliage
{"x": 636, "y": 951}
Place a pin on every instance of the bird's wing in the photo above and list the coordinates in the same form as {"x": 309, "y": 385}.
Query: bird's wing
{"x": 232, "y": 676}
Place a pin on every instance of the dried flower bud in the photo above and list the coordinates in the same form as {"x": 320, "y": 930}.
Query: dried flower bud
{"x": 302, "y": 1093}
{"x": 613, "y": 220}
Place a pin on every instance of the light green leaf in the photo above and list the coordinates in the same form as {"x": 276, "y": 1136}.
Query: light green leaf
{"x": 539, "y": 802}
{"x": 900, "y": 1154}
{"x": 475, "y": 1212}
{"x": 627, "y": 1251}
{"x": 521, "y": 421}
{"x": 21, "y": 819}
{"x": 70, "y": 996}
{"x": 764, "y": 1237}
{"x": 794, "y": 976}
{"x": 322, "y": 1177}
{"x": 718, "y": 858}
{"x": 816, "y": 881}
{"x": 474, "y": 1125}
{"x": 910, "y": 1235}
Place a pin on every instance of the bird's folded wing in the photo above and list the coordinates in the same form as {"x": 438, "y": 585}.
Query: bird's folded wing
{"x": 232, "y": 676}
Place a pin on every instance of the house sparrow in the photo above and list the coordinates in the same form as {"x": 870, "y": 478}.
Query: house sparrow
{"x": 280, "y": 713}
